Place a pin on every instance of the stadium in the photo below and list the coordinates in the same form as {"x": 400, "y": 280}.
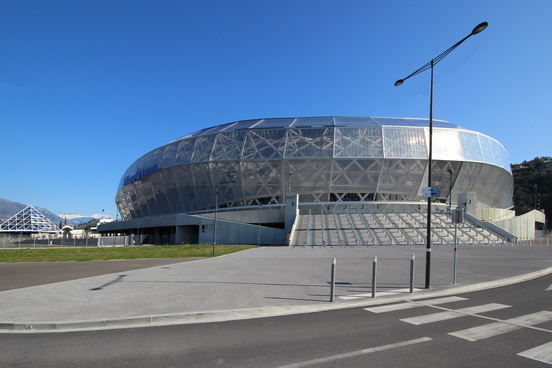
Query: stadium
{"x": 315, "y": 181}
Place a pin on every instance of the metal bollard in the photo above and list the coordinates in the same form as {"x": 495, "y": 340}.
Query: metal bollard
{"x": 332, "y": 282}
{"x": 412, "y": 273}
{"x": 374, "y": 269}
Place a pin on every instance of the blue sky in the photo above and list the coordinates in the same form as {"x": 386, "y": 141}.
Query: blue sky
{"x": 89, "y": 86}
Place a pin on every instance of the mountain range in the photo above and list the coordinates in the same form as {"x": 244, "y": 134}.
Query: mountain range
{"x": 10, "y": 208}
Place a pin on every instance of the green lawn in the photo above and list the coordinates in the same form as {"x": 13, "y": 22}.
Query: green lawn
{"x": 89, "y": 254}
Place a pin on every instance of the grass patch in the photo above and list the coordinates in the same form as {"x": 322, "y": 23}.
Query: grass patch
{"x": 90, "y": 254}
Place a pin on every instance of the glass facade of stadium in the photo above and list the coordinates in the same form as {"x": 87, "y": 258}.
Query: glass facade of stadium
{"x": 324, "y": 160}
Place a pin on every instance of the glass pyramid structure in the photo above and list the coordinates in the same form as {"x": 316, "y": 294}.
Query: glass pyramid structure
{"x": 29, "y": 220}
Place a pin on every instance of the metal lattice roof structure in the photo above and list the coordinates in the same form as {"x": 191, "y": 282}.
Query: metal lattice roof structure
{"x": 321, "y": 159}
{"x": 29, "y": 220}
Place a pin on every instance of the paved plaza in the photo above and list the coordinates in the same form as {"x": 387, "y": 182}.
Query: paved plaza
{"x": 260, "y": 282}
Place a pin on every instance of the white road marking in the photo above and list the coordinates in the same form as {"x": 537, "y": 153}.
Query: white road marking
{"x": 499, "y": 328}
{"x": 541, "y": 353}
{"x": 549, "y": 288}
{"x": 357, "y": 353}
{"x": 450, "y": 314}
{"x": 416, "y": 304}
{"x": 356, "y": 296}
{"x": 380, "y": 293}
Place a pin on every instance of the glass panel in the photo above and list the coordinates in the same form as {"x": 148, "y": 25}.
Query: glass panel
{"x": 415, "y": 122}
{"x": 185, "y": 151}
{"x": 203, "y": 148}
{"x": 208, "y": 130}
{"x": 275, "y": 123}
{"x": 169, "y": 155}
{"x": 486, "y": 149}
{"x": 355, "y": 120}
{"x": 309, "y": 143}
{"x": 471, "y": 146}
{"x": 446, "y": 145}
{"x": 314, "y": 122}
{"x": 245, "y": 124}
{"x": 228, "y": 146}
{"x": 407, "y": 143}
{"x": 266, "y": 143}
{"x": 358, "y": 142}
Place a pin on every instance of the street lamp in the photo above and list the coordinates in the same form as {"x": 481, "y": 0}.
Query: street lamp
{"x": 479, "y": 28}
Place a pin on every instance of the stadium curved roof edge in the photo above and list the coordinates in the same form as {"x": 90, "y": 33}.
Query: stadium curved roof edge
{"x": 318, "y": 122}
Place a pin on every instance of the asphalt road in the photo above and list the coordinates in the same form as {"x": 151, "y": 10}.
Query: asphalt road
{"x": 345, "y": 338}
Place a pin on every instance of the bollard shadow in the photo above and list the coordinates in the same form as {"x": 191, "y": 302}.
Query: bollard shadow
{"x": 117, "y": 279}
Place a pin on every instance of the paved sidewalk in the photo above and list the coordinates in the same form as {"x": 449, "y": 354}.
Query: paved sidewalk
{"x": 260, "y": 282}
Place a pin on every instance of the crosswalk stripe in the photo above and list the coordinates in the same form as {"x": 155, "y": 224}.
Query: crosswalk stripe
{"x": 542, "y": 353}
{"x": 498, "y": 328}
{"x": 442, "y": 316}
{"x": 410, "y": 305}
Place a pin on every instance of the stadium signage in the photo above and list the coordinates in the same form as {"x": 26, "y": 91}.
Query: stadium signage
{"x": 141, "y": 173}
{"x": 431, "y": 192}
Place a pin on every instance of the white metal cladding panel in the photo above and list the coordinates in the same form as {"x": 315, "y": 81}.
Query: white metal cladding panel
{"x": 468, "y": 175}
{"x": 262, "y": 178}
{"x": 358, "y": 142}
{"x": 309, "y": 142}
{"x": 402, "y": 176}
{"x": 264, "y": 144}
{"x": 355, "y": 175}
{"x": 309, "y": 175}
{"x": 447, "y": 145}
{"x": 491, "y": 184}
{"x": 404, "y": 142}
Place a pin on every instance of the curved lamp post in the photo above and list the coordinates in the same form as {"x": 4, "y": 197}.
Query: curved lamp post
{"x": 479, "y": 28}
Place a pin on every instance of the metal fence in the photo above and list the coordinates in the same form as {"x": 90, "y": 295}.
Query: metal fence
{"x": 27, "y": 241}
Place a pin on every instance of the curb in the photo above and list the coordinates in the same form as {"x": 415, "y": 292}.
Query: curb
{"x": 241, "y": 314}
